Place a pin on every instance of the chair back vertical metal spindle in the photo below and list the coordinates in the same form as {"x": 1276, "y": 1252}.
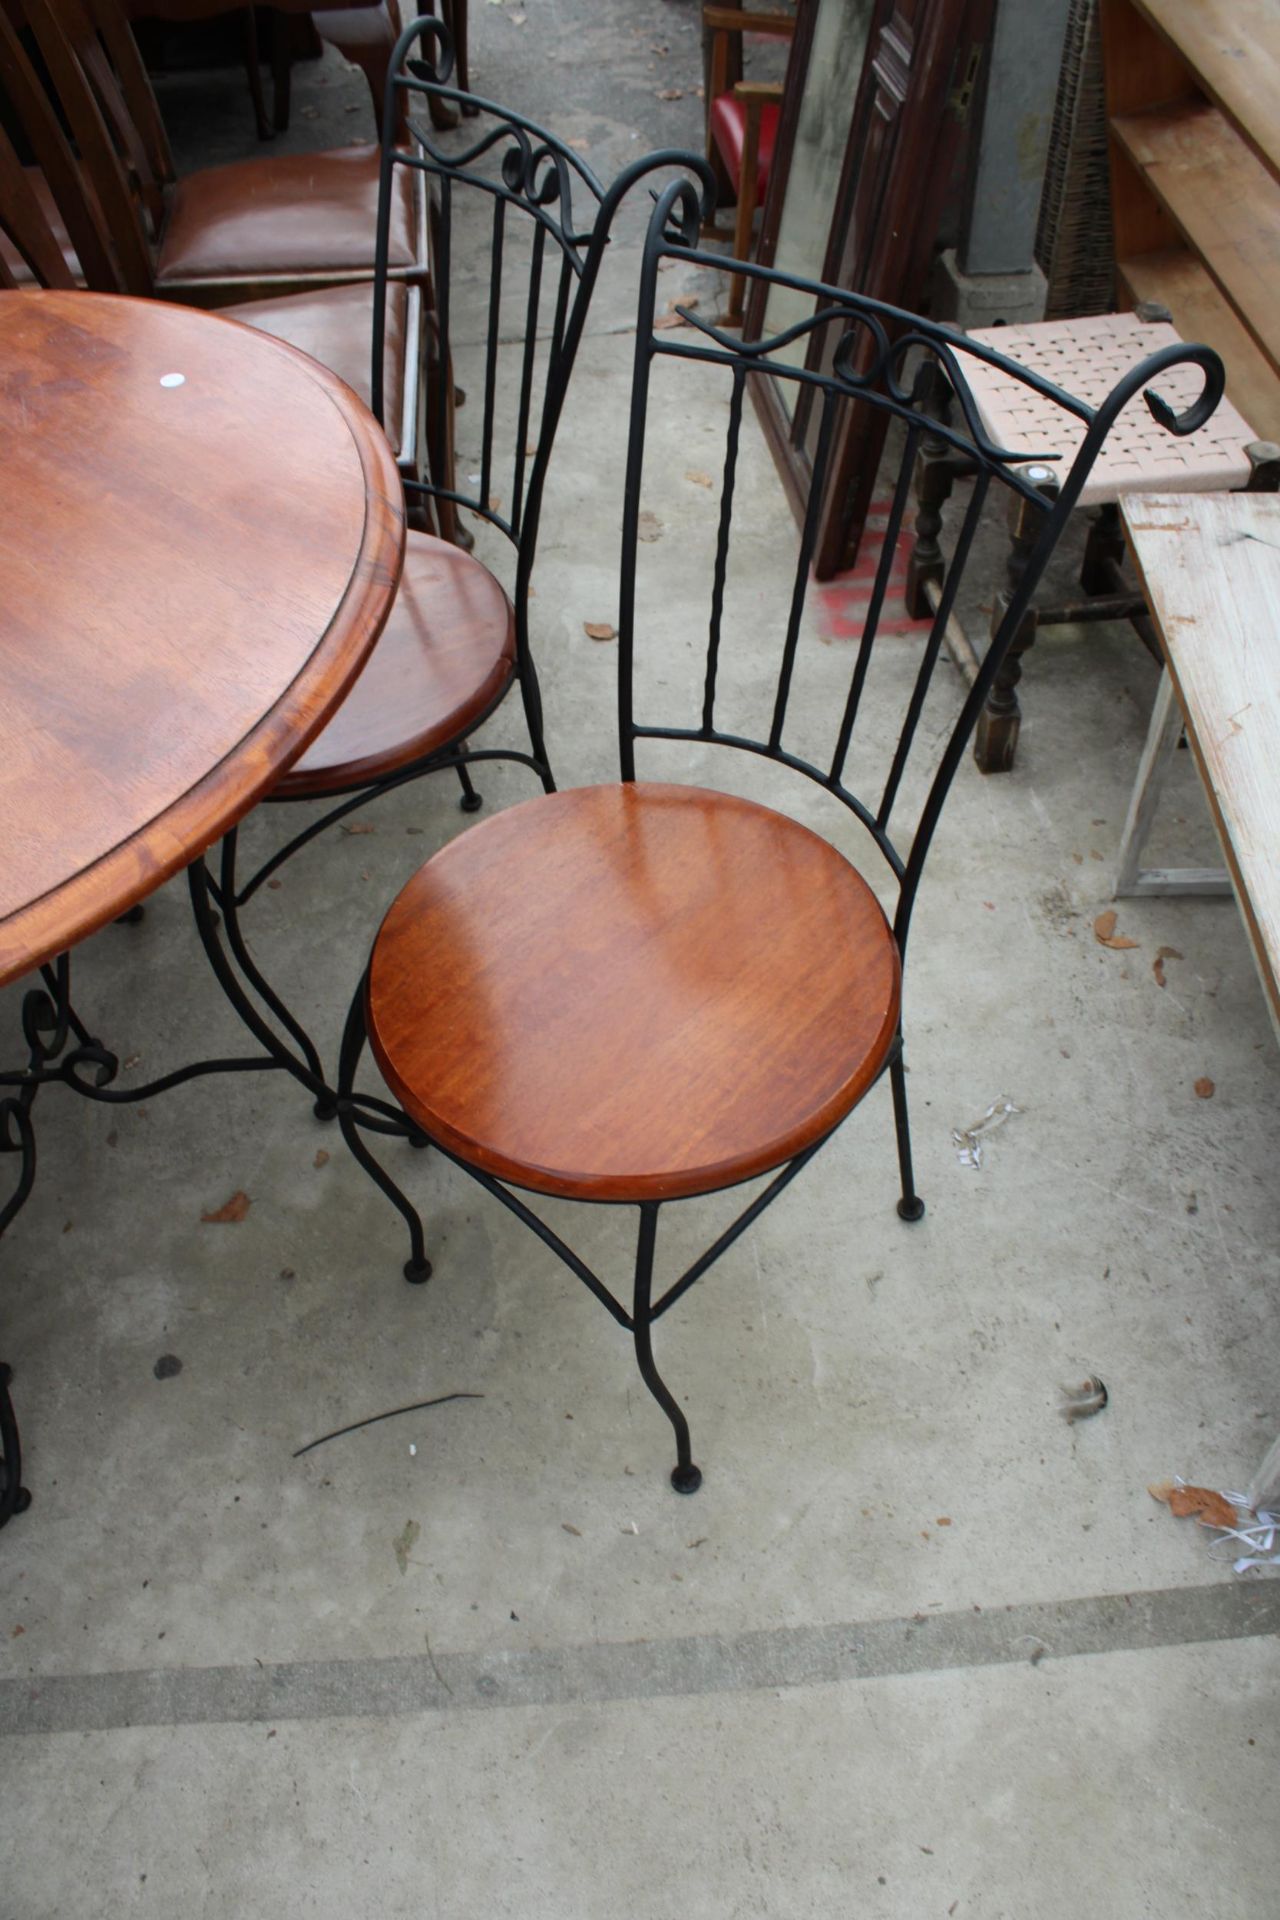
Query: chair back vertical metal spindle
{"x": 532, "y": 308}
{"x": 913, "y": 370}
{"x": 933, "y": 645}
{"x": 722, "y": 547}
{"x": 800, "y": 586}
{"x": 491, "y": 355}
{"x": 871, "y": 625}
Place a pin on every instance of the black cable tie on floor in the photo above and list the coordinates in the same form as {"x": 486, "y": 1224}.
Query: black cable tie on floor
{"x": 374, "y": 1418}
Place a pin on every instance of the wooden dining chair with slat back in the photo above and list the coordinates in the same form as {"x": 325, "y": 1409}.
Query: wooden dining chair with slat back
{"x": 742, "y": 124}
{"x": 91, "y": 199}
{"x": 53, "y": 175}
{"x": 645, "y": 992}
{"x": 30, "y": 251}
{"x": 276, "y": 224}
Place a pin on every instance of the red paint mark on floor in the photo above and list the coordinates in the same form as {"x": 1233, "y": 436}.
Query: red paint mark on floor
{"x": 844, "y": 602}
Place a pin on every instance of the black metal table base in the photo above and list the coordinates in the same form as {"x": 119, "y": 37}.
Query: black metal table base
{"x": 62, "y": 1051}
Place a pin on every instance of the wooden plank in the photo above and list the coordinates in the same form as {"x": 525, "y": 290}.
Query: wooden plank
{"x": 1221, "y": 198}
{"x": 1139, "y": 224}
{"x": 1163, "y": 735}
{"x": 1179, "y": 282}
{"x": 1234, "y": 48}
{"x": 1172, "y": 882}
{"x": 1210, "y": 568}
{"x": 1140, "y": 67}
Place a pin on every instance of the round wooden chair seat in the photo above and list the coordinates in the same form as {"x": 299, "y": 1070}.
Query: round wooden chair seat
{"x": 443, "y": 659}
{"x": 633, "y": 992}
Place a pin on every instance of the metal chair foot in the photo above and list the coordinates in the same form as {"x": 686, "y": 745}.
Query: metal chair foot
{"x": 912, "y": 1209}
{"x": 326, "y": 1109}
{"x": 686, "y": 1479}
{"x": 471, "y": 801}
{"x": 417, "y": 1267}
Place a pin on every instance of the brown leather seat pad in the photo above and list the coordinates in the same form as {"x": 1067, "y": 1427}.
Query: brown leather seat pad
{"x": 443, "y": 658}
{"x": 297, "y": 213}
{"x": 334, "y": 325}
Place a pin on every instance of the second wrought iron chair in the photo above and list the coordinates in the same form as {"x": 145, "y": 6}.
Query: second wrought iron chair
{"x": 457, "y": 641}
{"x": 643, "y": 992}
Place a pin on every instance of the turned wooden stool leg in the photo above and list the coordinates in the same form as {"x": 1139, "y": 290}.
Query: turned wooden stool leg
{"x": 253, "y": 72}
{"x": 997, "y": 736}
{"x": 733, "y": 315}
{"x": 1264, "y": 466}
{"x": 934, "y": 478}
{"x": 1103, "y": 551}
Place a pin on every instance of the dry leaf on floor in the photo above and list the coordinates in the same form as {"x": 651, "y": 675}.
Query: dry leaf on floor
{"x": 569, "y": 1528}
{"x": 669, "y": 320}
{"x": 1200, "y": 1503}
{"x": 579, "y": 146}
{"x": 599, "y": 630}
{"x": 648, "y": 526}
{"x": 321, "y": 1159}
{"x": 1104, "y": 929}
{"x": 234, "y": 1210}
{"x": 671, "y": 93}
{"x": 1205, "y": 1088}
{"x": 356, "y": 826}
{"x": 698, "y": 479}
{"x": 1157, "y": 965}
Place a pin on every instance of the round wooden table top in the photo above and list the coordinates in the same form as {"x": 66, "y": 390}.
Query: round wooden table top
{"x": 201, "y": 532}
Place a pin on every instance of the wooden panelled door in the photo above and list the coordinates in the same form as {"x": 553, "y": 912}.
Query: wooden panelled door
{"x": 924, "y": 60}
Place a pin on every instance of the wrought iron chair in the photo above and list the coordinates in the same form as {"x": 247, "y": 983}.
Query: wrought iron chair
{"x": 456, "y": 642}
{"x": 638, "y": 993}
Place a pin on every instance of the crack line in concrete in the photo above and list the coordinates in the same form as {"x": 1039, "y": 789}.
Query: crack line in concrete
{"x": 635, "y": 1670}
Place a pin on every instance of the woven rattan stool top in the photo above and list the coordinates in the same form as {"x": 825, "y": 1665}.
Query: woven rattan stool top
{"x": 1087, "y": 357}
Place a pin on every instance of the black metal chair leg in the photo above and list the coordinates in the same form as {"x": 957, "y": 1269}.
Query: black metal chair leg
{"x": 685, "y": 1477}
{"x": 471, "y": 801}
{"x": 326, "y": 1106}
{"x": 531, "y": 695}
{"x": 911, "y": 1206}
{"x": 14, "y": 1497}
{"x": 417, "y": 1267}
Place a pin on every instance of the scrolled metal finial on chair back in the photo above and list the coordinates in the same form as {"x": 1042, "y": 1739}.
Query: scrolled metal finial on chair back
{"x": 852, "y": 349}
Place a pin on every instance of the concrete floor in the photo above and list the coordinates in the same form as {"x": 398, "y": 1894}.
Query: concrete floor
{"x": 918, "y": 1647}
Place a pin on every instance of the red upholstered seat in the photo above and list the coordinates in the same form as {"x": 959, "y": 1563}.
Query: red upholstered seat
{"x": 728, "y": 125}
